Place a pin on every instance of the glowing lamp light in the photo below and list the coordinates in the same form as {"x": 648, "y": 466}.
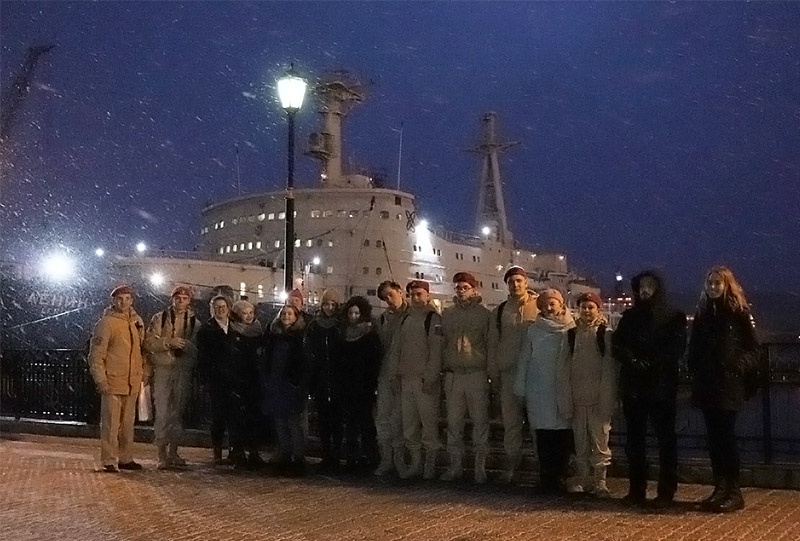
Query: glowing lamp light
{"x": 423, "y": 224}
{"x": 291, "y": 91}
{"x": 486, "y": 230}
{"x": 141, "y": 247}
{"x": 316, "y": 261}
{"x": 58, "y": 267}
{"x": 283, "y": 296}
{"x": 99, "y": 252}
{"x": 619, "y": 277}
{"x": 157, "y": 279}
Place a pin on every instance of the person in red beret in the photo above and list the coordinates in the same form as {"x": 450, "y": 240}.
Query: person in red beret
{"x": 118, "y": 368}
{"x": 465, "y": 327}
{"x": 171, "y": 350}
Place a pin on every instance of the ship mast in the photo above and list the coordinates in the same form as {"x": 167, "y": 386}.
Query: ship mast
{"x": 339, "y": 92}
{"x": 491, "y": 205}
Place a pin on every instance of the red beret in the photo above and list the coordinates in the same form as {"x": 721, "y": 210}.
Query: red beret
{"x": 121, "y": 290}
{"x": 296, "y": 293}
{"x": 181, "y": 290}
{"x": 513, "y": 271}
{"x": 466, "y": 278}
{"x": 546, "y": 295}
{"x": 418, "y": 284}
{"x": 590, "y": 296}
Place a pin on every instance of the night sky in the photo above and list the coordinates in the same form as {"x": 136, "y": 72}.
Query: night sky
{"x": 652, "y": 134}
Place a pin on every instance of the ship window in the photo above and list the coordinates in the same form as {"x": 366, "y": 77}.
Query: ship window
{"x": 378, "y": 271}
{"x": 372, "y": 292}
{"x": 422, "y": 275}
{"x": 316, "y": 214}
{"x": 397, "y": 200}
{"x": 330, "y": 244}
{"x": 222, "y": 249}
{"x": 416, "y": 275}
{"x": 415, "y": 247}
{"x": 399, "y": 216}
{"x": 480, "y": 283}
{"x": 258, "y": 245}
{"x": 271, "y": 216}
{"x": 297, "y": 243}
{"x": 479, "y": 259}
{"x": 235, "y": 248}
{"x": 241, "y": 247}
{"x": 384, "y": 215}
{"x": 260, "y": 291}
{"x": 474, "y": 258}
{"x": 366, "y": 242}
{"x": 341, "y": 213}
{"x": 277, "y": 244}
{"x": 216, "y": 225}
{"x": 309, "y": 243}
{"x": 365, "y": 270}
{"x": 235, "y": 221}
{"x": 319, "y": 242}
{"x": 327, "y": 214}
{"x": 221, "y": 224}
{"x": 330, "y": 269}
{"x": 251, "y": 219}
{"x": 378, "y": 244}
{"x": 353, "y": 214}
{"x": 249, "y": 245}
{"x": 281, "y": 215}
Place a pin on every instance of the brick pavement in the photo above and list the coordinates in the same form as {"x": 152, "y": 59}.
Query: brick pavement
{"x": 49, "y": 490}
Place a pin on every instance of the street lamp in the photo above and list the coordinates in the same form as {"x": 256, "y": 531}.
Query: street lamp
{"x": 291, "y": 91}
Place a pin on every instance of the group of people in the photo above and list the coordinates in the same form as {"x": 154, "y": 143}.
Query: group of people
{"x": 376, "y": 382}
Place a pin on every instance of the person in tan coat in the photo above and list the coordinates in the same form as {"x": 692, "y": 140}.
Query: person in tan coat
{"x": 118, "y": 369}
{"x": 171, "y": 349}
{"x": 509, "y": 325}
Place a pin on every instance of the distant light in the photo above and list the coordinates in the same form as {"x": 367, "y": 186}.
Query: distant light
{"x": 99, "y": 252}
{"x": 533, "y": 255}
{"x": 423, "y": 224}
{"x": 283, "y": 296}
{"x": 157, "y": 279}
{"x": 619, "y": 277}
{"x": 486, "y": 230}
{"x": 561, "y": 258}
{"x": 141, "y": 247}
{"x": 58, "y": 267}
{"x": 316, "y": 261}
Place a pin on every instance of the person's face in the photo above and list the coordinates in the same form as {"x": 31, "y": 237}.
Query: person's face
{"x": 517, "y": 285}
{"x": 589, "y": 311}
{"x": 180, "y": 302}
{"x": 122, "y": 302}
{"x": 353, "y": 314}
{"x": 553, "y": 308}
{"x": 247, "y": 314}
{"x": 647, "y": 287}
{"x": 329, "y": 308}
{"x": 715, "y": 286}
{"x": 393, "y": 298}
{"x": 464, "y": 291}
{"x": 288, "y": 317}
{"x": 419, "y": 297}
{"x": 220, "y": 309}
{"x": 297, "y": 302}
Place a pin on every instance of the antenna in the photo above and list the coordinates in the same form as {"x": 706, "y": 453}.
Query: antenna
{"x": 400, "y": 156}
{"x": 238, "y": 173}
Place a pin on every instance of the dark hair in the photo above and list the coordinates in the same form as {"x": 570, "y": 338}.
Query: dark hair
{"x": 363, "y": 306}
{"x": 388, "y": 284}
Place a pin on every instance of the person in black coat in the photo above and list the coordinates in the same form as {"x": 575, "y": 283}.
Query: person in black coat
{"x": 284, "y": 380}
{"x": 357, "y": 382}
{"x": 723, "y": 356}
{"x": 219, "y": 362}
{"x": 649, "y": 342}
{"x": 323, "y": 344}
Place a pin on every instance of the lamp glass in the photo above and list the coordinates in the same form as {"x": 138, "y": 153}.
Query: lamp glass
{"x": 291, "y": 92}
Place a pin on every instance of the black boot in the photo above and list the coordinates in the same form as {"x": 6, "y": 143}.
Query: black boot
{"x": 218, "y": 456}
{"x": 720, "y": 491}
{"x": 732, "y": 501}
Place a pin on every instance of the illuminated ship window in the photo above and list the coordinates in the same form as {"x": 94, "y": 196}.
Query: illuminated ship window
{"x": 222, "y": 249}
{"x": 281, "y": 215}
{"x": 249, "y": 245}
{"x": 258, "y": 245}
{"x": 260, "y": 291}
{"x": 277, "y": 244}
{"x": 242, "y": 289}
{"x": 353, "y": 214}
{"x": 399, "y": 216}
{"x": 271, "y": 216}
{"x": 297, "y": 243}
{"x": 241, "y": 247}
{"x": 262, "y": 217}
{"x": 316, "y": 213}
{"x": 309, "y": 243}
{"x": 216, "y": 225}
{"x": 235, "y": 221}
{"x": 221, "y": 224}
{"x": 235, "y": 248}
{"x": 341, "y": 214}
{"x": 228, "y": 249}
{"x": 330, "y": 244}
{"x": 330, "y": 269}
{"x": 327, "y": 214}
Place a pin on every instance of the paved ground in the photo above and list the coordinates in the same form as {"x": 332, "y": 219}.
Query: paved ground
{"x": 49, "y": 489}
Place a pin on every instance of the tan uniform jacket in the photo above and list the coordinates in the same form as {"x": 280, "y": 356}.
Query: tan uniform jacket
{"x": 505, "y": 340}
{"x": 156, "y": 338}
{"x": 115, "y": 354}
{"x": 466, "y": 336}
{"x": 415, "y": 351}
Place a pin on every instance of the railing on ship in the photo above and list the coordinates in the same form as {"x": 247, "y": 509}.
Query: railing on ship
{"x": 55, "y": 385}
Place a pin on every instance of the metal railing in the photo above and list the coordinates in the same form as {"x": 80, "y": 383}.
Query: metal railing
{"x": 56, "y": 385}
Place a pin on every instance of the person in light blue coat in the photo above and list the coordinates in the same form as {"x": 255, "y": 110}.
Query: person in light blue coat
{"x": 543, "y": 383}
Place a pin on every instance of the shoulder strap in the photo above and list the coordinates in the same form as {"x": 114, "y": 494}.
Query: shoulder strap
{"x": 163, "y": 320}
{"x": 500, "y": 317}
{"x": 428, "y": 319}
{"x": 571, "y": 340}
{"x": 601, "y": 339}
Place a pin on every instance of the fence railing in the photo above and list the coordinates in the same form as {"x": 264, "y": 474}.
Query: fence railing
{"x": 56, "y": 385}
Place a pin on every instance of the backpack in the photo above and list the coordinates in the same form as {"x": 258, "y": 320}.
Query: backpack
{"x": 428, "y": 319}
{"x": 499, "y": 322}
{"x": 601, "y": 339}
{"x": 192, "y": 322}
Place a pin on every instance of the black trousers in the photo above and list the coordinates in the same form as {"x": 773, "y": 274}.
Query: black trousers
{"x": 360, "y": 434}
{"x": 661, "y": 414}
{"x": 554, "y": 448}
{"x": 722, "y": 446}
{"x": 227, "y": 413}
{"x": 329, "y": 426}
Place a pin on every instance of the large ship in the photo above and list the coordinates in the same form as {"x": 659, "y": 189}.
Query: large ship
{"x": 352, "y": 232}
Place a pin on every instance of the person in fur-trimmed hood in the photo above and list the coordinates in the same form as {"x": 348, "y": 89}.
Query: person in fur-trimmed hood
{"x": 593, "y": 385}
{"x": 542, "y": 381}
{"x": 284, "y": 377}
{"x": 649, "y": 343}
{"x": 356, "y": 377}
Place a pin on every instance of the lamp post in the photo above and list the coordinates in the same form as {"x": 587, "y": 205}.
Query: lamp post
{"x": 291, "y": 91}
